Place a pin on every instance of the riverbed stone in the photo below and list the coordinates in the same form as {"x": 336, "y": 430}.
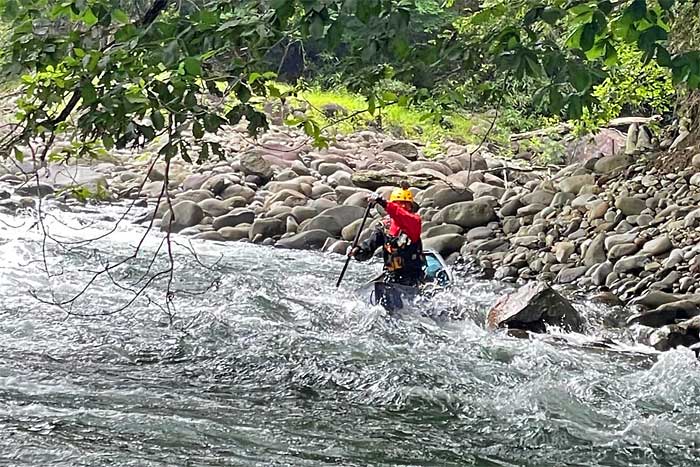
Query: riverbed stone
{"x": 233, "y": 234}
{"x": 658, "y": 246}
{"x": 532, "y": 307}
{"x": 184, "y": 214}
{"x": 629, "y": 205}
{"x": 445, "y": 244}
{"x": 467, "y": 214}
{"x": 267, "y": 228}
{"x": 310, "y": 239}
{"x": 234, "y": 218}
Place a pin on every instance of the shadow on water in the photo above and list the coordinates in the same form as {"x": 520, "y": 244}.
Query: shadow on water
{"x": 275, "y": 366}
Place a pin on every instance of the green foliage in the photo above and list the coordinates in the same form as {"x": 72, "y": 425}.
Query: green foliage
{"x": 129, "y": 72}
{"x": 84, "y": 193}
{"x": 631, "y": 88}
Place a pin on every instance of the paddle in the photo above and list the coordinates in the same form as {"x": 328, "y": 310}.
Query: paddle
{"x": 354, "y": 243}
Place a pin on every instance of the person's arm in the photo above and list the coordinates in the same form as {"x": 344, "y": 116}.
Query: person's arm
{"x": 409, "y": 223}
{"x": 367, "y": 248}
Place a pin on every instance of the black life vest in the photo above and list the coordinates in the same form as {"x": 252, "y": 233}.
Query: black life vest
{"x": 403, "y": 259}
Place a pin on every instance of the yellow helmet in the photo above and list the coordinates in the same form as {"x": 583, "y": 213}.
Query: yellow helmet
{"x": 401, "y": 194}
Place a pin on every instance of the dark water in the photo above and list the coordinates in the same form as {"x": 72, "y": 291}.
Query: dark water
{"x": 276, "y": 367}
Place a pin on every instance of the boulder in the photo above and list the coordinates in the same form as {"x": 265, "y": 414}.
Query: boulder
{"x": 35, "y": 189}
{"x": 442, "y": 229}
{"x": 611, "y": 164}
{"x": 467, "y": 214}
{"x": 445, "y": 244}
{"x": 668, "y": 313}
{"x": 532, "y": 307}
{"x": 574, "y": 183}
{"x": 671, "y": 336}
{"x": 267, "y": 228}
{"x": 255, "y": 164}
{"x": 538, "y": 197}
{"x": 569, "y": 275}
{"x": 233, "y": 234}
{"x": 234, "y": 218}
{"x": 447, "y": 196}
{"x": 658, "y": 246}
{"x": 484, "y": 189}
{"x": 344, "y": 215}
{"x": 595, "y": 253}
{"x": 631, "y": 263}
{"x": 184, "y": 214}
{"x": 323, "y": 222}
{"x": 629, "y": 205}
{"x": 622, "y": 250}
{"x": 374, "y": 179}
{"x": 405, "y": 148}
{"x": 310, "y": 239}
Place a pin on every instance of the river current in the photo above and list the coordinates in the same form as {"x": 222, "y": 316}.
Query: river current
{"x": 274, "y": 366}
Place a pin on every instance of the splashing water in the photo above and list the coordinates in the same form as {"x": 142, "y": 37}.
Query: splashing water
{"x": 274, "y": 366}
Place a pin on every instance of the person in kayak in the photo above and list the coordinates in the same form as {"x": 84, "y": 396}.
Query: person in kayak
{"x": 399, "y": 236}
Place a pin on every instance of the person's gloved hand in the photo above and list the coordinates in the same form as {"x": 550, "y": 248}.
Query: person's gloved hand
{"x": 376, "y": 198}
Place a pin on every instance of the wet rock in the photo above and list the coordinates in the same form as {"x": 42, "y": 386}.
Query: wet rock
{"x": 668, "y": 313}
{"x": 311, "y": 239}
{"x": 235, "y": 218}
{"x": 323, "y": 222}
{"x": 656, "y": 298}
{"x": 444, "y": 244}
{"x": 442, "y": 229}
{"x": 267, "y": 228}
{"x": 467, "y": 214}
{"x": 184, "y": 214}
{"x": 569, "y": 275}
{"x": 34, "y": 189}
{"x": 211, "y": 236}
{"x": 233, "y": 234}
{"x": 686, "y": 333}
{"x": 531, "y": 308}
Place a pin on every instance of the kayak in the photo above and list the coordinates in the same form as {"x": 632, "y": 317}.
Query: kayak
{"x": 393, "y": 297}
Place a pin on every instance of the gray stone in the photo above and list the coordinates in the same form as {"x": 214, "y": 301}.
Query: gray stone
{"x": 675, "y": 335}
{"x": 267, "y": 228}
{"x": 34, "y": 189}
{"x": 600, "y": 273}
{"x": 575, "y": 183}
{"x": 233, "y": 234}
{"x": 563, "y": 250}
{"x": 442, "y": 229}
{"x": 479, "y": 233}
{"x": 631, "y": 263}
{"x": 484, "y": 189}
{"x": 447, "y": 196}
{"x": 234, "y": 218}
{"x": 184, "y": 214}
{"x": 323, "y": 222}
{"x": 539, "y": 197}
{"x": 569, "y": 275}
{"x": 621, "y": 250}
{"x": 445, "y": 244}
{"x": 467, "y": 214}
{"x": 510, "y": 208}
{"x": 562, "y": 199}
{"x": 595, "y": 253}
{"x": 629, "y": 205}
{"x": 611, "y": 164}
{"x": 255, "y": 164}
{"x": 532, "y": 307}
{"x": 311, "y": 239}
{"x": 212, "y": 236}
{"x": 344, "y": 215}
{"x": 658, "y": 246}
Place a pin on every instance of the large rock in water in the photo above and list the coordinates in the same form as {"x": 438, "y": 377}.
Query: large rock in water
{"x": 183, "y": 215}
{"x": 445, "y": 244}
{"x": 686, "y": 333}
{"x": 533, "y": 306}
{"x": 467, "y": 214}
{"x": 311, "y": 239}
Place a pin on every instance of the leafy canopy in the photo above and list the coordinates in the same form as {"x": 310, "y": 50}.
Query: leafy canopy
{"x": 127, "y": 72}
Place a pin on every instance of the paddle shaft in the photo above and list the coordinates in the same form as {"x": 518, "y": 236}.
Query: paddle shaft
{"x": 354, "y": 243}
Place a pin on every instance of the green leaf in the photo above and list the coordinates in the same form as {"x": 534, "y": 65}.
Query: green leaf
{"x": 158, "y": 120}
{"x": 243, "y": 93}
{"x": 120, "y": 16}
{"x": 663, "y": 57}
{"x": 610, "y": 55}
{"x": 89, "y": 18}
{"x": 197, "y": 130}
{"x": 107, "y": 141}
{"x": 580, "y": 78}
{"x": 88, "y": 94}
{"x": 316, "y": 27}
{"x": 587, "y": 37}
{"x": 11, "y": 10}
{"x": 574, "y": 110}
{"x": 19, "y": 155}
{"x": 556, "y": 100}
{"x": 667, "y": 4}
{"x": 193, "y": 66}
{"x": 552, "y": 15}
{"x": 637, "y": 10}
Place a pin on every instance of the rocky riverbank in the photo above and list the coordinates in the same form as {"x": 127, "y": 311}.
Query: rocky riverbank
{"x": 623, "y": 227}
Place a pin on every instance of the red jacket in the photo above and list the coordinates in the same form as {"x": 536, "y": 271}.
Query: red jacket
{"x": 404, "y": 221}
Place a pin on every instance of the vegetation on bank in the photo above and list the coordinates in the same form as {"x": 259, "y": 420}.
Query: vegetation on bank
{"x": 130, "y": 72}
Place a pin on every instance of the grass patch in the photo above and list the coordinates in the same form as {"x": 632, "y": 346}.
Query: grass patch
{"x": 403, "y": 122}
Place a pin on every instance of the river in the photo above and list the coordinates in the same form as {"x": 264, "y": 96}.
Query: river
{"x": 273, "y": 366}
